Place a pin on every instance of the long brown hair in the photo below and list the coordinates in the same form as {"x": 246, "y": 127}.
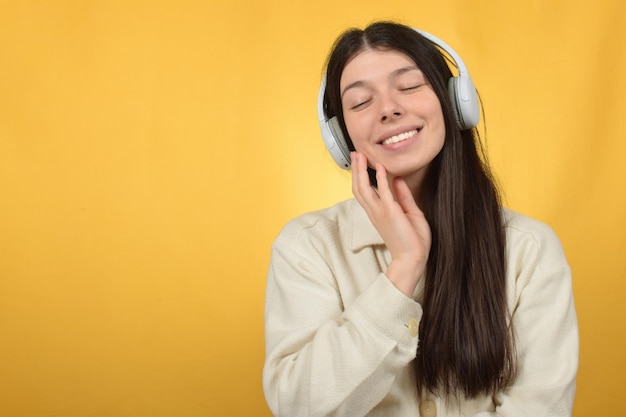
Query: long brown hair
{"x": 466, "y": 343}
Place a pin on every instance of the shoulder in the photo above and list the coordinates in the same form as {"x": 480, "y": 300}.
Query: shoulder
{"x": 525, "y": 232}
{"x": 327, "y": 225}
{"x": 533, "y": 248}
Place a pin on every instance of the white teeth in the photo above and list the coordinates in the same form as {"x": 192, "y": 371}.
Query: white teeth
{"x": 400, "y": 137}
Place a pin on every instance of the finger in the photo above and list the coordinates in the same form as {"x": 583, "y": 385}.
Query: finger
{"x": 404, "y": 196}
{"x": 361, "y": 187}
{"x": 357, "y": 174}
{"x": 413, "y": 212}
{"x": 384, "y": 191}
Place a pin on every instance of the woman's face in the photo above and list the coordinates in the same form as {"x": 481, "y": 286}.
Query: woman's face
{"x": 392, "y": 114}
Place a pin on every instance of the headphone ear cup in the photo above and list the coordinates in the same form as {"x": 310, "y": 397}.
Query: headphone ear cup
{"x": 464, "y": 101}
{"x": 331, "y": 133}
{"x": 336, "y": 142}
{"x": 333, "y": 123}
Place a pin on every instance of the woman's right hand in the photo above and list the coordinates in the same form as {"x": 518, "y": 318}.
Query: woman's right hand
{"x": 399, "y": 221}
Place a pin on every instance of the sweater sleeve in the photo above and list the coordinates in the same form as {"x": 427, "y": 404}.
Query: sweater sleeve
{"x": 545, "y": 325}
{"x": 324, "y": 357}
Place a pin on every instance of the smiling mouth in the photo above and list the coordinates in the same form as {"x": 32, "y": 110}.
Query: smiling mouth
{"x": 401, "y": 137}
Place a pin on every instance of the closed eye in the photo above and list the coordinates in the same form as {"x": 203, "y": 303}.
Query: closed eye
{"x": 411, "y": 87}
{"x": 360, "y": 105}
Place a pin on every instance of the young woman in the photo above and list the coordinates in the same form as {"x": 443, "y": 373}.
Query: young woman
{"x": 422, "y": 296}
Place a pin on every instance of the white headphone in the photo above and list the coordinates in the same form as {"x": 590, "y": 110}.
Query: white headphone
{"x": 462, "y": 93}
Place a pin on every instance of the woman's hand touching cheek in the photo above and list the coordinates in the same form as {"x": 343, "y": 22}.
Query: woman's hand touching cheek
{"x": 399, "y": 221}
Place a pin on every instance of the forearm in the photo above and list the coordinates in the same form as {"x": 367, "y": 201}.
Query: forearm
{"x": 344, "y": 366}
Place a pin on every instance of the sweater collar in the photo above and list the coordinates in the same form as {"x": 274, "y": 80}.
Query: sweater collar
{"x": 363, "y": 231}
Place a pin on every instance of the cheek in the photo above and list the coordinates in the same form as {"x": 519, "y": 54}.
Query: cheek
{"x": 355, "y": 130}
{"x": 441, "y": 137}
{"x": 441, "y": 142}
{"x": 438, "y": 125}
{"x": 439, "y": 122}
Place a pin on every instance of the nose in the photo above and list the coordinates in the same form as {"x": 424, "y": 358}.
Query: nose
{"x": 390, "y": 108}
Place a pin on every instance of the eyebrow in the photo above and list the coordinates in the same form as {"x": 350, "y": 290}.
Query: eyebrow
{"x": 393, "y": 74}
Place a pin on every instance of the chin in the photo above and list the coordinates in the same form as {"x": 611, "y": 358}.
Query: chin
{"x": 406, "y": 171}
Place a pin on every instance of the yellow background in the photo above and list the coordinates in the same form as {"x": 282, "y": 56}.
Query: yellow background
{"x": 150, "y": 151}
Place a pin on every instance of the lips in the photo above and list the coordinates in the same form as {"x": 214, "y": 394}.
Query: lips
{"x": 400, "y": 137}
